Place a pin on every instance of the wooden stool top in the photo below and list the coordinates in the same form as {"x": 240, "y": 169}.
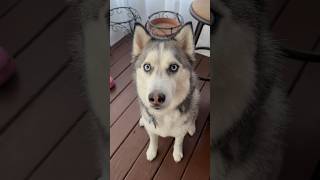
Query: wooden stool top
{"x": 200, "y": 9}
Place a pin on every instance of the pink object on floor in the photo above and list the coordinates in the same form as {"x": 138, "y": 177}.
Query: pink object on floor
{"x": 112, "y": 84}
{"x": 7, "y": 66}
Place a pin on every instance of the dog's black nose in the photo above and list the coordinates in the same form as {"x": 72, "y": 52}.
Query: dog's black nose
{"x": 156, "y": 98}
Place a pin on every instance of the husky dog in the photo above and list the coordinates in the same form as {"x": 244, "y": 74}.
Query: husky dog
{"x": 249, "y": 102}
{"x": 166, "y": 86}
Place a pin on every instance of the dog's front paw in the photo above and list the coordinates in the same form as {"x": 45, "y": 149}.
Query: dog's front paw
{"x": 191, "y": 130}
{"x": 151, "y": 153}
{"x": 141, "y": 122}
{"x": 177, "y": 155}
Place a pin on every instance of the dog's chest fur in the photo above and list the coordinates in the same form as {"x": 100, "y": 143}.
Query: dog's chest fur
{"x": 171, "y": 123}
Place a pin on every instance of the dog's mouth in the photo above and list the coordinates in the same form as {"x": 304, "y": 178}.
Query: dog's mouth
{"x": 156, "y": 107}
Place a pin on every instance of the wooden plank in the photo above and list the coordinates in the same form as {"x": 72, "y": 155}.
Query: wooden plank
{"x": 41, "y": 125}
{"x": 144, "y": 169}
{"x": 122, "y": 82}
{"x": 7, "y": 5}
{"x": 199, "y": 164}
{"x": 164, "y": 144}
{"x": 119, "y": 105}
{"x": 121, "y": 162}
{"x": 275, "y": 8}
{"x": 289, "y": 71}
{"x": 302, "y": 152}
{"x": 25, "y": 21}
{"x": 202, "y": 69}
{"x": 122, "y": 63}
{"x": 122, "y": 47}
{"x": 297, "y": 28}
{"x": 171, "y": 170}
{"x": 302, "y": 34}
{"x": 35, "y": 66}
{"x": 123, "y": 127}
{"x": 118, "y": 45}
{"x": 76, "y": 157}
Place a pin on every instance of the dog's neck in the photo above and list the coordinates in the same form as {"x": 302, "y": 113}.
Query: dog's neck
{"x": 184, "y": 106}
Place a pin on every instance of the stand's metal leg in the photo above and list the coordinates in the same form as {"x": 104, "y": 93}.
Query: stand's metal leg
{"x": 198, "y": 32}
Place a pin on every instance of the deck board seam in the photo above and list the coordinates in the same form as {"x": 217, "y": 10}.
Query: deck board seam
{"x": 10, "y": 8}
{"x": 195, "y": 147}
{"x": 121, "y": 91}
{"x": 121, "y": 71}
{"x": 164, "y": 157}
{"x": 56, "y": 145}
{"x": 125, "y": 138}
{"x": 135, "y": 160}
{"x": 41, "y": 31}
{"x": 125, "y": 109}
{"x": 302, "y": 69}
{"x": 34, "y": 97}
{"x": 279, "y": 13}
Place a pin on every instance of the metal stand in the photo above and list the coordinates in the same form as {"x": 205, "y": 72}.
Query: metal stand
{"x": 198, "y": 31}
{"x": 199, "y": 27}
{"x": 123, "y": 19}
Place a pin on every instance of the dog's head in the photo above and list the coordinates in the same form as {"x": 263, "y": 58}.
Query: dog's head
{"x": 163, "y": 68}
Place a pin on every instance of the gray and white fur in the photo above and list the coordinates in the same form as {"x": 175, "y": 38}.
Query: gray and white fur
{"x": 249, "y": 103}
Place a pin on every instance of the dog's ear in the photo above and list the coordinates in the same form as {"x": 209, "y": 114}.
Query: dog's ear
{"x": 185, "y": 38}
{"x": 140, "y": 39}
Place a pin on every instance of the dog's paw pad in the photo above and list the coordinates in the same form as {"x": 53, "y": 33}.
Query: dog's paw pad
{"x": 151, "y": 154}
{"x": 191, "y": 130}
{"x": 177, "y": 156}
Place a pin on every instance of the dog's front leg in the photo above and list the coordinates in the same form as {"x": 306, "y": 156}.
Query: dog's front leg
{"x": 141, "y": 124}
{"x": 153, "y": 146}
{"x": 178, "y": 148}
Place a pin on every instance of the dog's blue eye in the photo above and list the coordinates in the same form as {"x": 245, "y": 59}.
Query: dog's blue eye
{"x": 147, "y": 67}
{"x": 173, "y": 68}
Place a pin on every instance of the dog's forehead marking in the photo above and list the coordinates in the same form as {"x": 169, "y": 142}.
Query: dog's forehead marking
{"x": 161, "y": 55}
{"x": 161, "y": 47}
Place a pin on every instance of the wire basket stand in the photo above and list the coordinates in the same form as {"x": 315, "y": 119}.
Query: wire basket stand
{"x": 164, "y": 24}
{"x": 123, "y": 19}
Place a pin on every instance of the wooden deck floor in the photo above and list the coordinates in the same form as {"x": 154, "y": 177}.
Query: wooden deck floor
{"x": 46, "y": 131}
